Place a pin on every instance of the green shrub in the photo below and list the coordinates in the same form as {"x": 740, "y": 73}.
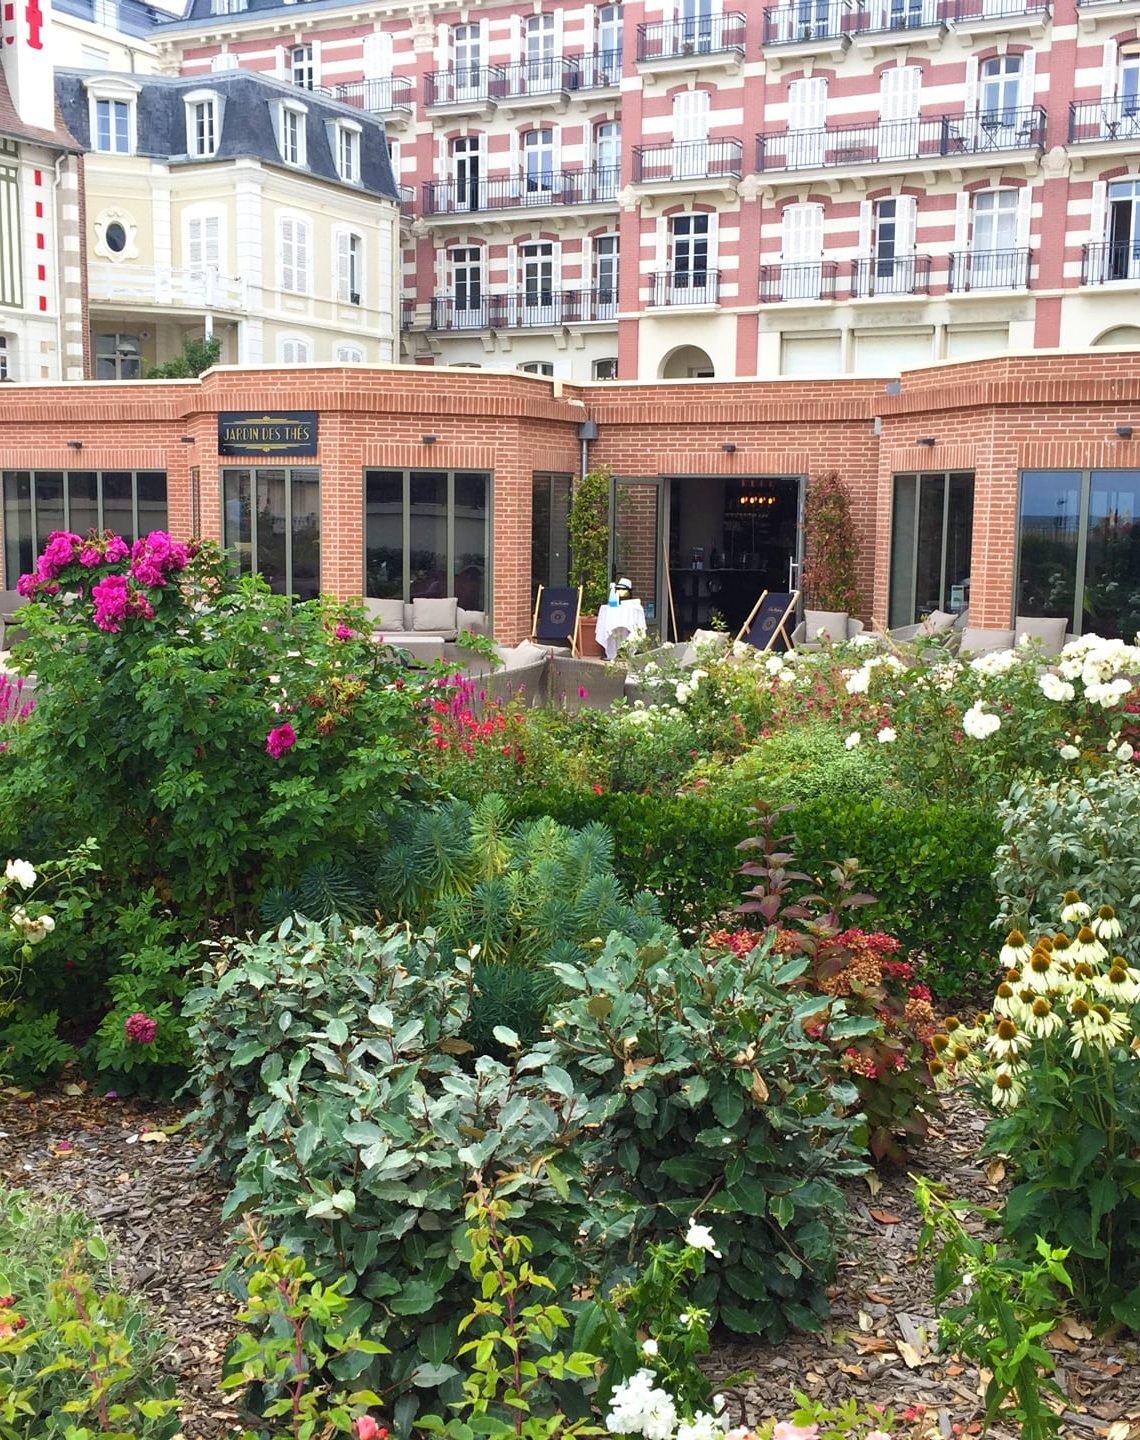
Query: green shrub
{"x": 86, "y": 1360}
{"x": 718, "y": 1104}
{"x": 330, "y": 1093}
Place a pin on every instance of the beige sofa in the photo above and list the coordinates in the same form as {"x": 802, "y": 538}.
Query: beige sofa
{"x": 441, "y": 618}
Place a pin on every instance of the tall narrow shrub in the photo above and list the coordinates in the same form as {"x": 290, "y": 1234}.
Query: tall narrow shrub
{"x": 832, "y": 547}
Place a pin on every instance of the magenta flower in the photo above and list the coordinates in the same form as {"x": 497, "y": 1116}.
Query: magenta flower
{"x": 140, "y": 1028}
{"x": 154, "y": 558}
{"x": 59, "y": 552}
{"x": 343, "y": 632}
{"x": 583, "y": 693}
{"x": 26, "y": 585}
{"x": 90, "y": 555}
{"x": 112, "y": 600}
{"x": 280, "y": 739}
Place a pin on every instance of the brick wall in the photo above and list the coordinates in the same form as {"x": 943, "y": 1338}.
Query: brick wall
{"x": 993, "y": 417}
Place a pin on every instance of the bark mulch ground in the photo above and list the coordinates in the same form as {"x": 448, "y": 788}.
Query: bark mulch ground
{"x": 129, "y": 1165}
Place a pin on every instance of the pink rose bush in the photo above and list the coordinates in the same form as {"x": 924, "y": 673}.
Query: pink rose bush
{"x": 140, "y": 1029}
{"x": 82, "y": 565}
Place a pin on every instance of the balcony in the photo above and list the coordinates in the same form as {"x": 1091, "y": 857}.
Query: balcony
{"x": 896, "y": 275}
{"x": 165, "y": 287}
{"x": 707, "y": 39}
{"x": 600, "y": 71}
{"x": 542, "y": 190}
{"x": 692, "y": 161}
{"x": 470, "y": 89}
{"x": 543, "y": 79}
{"x": 391, "y": 96}
{"x": 1106, "y": 263}
{"x": 684, "y": 287}
{"x": 820, "y": 26}
{"x": 1107, "y": 120}
{"x": 800, "y": 280}
{"x": 899, "y": 141}
{"x": 407, "y": 314}
{"x": 813, "y": 26}
{"x": 407, "y": 195}
{"x": 530, "y": 308}
{"x": 989, "y": 270}
{"x": 986, "y": 17}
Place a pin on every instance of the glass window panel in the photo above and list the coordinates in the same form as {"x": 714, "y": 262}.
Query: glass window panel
{"x": 152, "y": 500}
{"x": 901, "y": 607}
{"x": 49, "y": 505}
{"x": 270, "y": 527}
{"x": 427, "y": 560}
{"x": 470, "y": 523}
{"x": 118, "y": 505}
{"x": 305, "y": 580}
{"x": 959, "y": 540}
{"x": 1048, "y": 534}
{"x": 539, "y": 533}
{"x": 928, "y": 560}
{"x": 82, "y": 501}
{"x": 237, "y": 520}
{"x": 19, "y": 544}
{"x": 384, "y": 533}
{"x": 1111, "y": 597}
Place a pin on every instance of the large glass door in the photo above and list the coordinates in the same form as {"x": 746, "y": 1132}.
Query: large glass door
{"x": 637, "y": 542}
{"x": 932, "y": 521}
{"x": 271, "y": 522}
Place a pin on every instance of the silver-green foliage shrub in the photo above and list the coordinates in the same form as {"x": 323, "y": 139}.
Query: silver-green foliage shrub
{"x": 326, "y": 1064}
{"x": 718, "y": 1101}
{"x": 1081, "y": 833}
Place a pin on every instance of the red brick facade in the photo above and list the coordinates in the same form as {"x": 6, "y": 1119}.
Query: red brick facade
{"x": 992, "y": 417}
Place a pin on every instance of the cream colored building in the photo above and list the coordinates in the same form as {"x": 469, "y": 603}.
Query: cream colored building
{"x": 236, "y": 206}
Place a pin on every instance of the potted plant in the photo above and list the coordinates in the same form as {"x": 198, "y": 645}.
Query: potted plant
{"x": 589, "y": 530}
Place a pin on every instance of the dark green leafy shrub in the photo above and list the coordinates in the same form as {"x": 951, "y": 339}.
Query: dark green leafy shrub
{"x": 330, "y": 1093}
{"x": 718, "y": 1104}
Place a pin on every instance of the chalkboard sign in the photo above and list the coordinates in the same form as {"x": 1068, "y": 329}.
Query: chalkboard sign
{"x": 556, "y": 614}
{"x": 766, "y": 627}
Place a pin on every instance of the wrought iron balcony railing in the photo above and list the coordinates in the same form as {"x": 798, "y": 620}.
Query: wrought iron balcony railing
{"x": 1117, "y": 119}
{"x": 546, "y": 75}
{"x": 811, "y": 20}
{"x": 700, "y": 35}
{"x": 893, "y": 275}
{"x": 697, "y": 286}
{"x": 407, "y": 314}
{"x": 532, "y": 307}
{"x": 690, "y": 160}
{"x": 981, "y": 132}
{"x": 989, "y": 270}
{"x": 468, "y": 85}
{"x": 522, "y": 191}
{"x": 825, "y": 20}
{"x": 600, "y": 70}
{"x": 965, "y": 10}
{"x": 391, "y": 94}
{"x": 799, "y": 280}
{"x": 1103, "y": 263}
{"x": 407, "y": 195}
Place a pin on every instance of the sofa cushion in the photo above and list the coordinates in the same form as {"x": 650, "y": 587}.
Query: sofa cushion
{"x": 938, "y": 622}
{"x": 473, "y": 620}
{"x": 526, "y": 652}
{"x": 981, "y": 642}
{"x": 1048, "y": 631}
{"x": 435, "y": 616}
{"x": 829, "y": 623}
{"x": 385, "y": 614}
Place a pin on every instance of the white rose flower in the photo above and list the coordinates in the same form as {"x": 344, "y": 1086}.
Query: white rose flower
{"x": 858, "y": 682}
{"x": 1069, "y": 752}
{"x": 649, "y": 1347}
{"x": 703, "y": 1426}
{"x": 853, "y": 740}
{"x": 774, "y": 664}
{"x": 979, "y": 723}
{"x": 1125, "y": 752}
{"x": 21, "y": 872}
{"x": 700, "y": 1237}
{"x": 887, "y": 736}
{"x": 1054, "y": 688}
{"x": 683, "y": 692}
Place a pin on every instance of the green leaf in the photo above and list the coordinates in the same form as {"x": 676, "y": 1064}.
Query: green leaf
{"x": 416, "y": 1297}
{"x": 782, "y": 1209}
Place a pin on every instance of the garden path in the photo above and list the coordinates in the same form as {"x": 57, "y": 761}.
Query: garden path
{"x": 101, "y": 1155}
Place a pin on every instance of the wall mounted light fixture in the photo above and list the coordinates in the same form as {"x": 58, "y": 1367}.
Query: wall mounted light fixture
{"x": 1124, "y": 431}
{"x": 926, "y": 440}
{"x": 189, "y": 439}
{"x": 729, "y": 449}
{"x": 75, "y": 444}
{"x": 428, "y": 439}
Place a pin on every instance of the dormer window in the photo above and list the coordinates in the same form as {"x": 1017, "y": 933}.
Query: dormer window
{"x": 113, "y": 102}
{"x": 227, "y": 7}
{"x": 203, "y": 124}
{"x": 291, "y": 132}
{"x": 348, "y": 151}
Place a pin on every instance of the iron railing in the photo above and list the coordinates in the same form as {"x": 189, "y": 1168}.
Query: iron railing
{"x": 545, "y": 75}
{"x": 390, "y": 94}
{"x": 1017, "y": 128}
{"x": 989, "y": 270}
{"x": 698, "y": 286}
{"x": 700, "y": 35}
{"x": 522, "y": 191}
{"x": 895, "y": 15}
{"x": 407, "y": 314}
{"x": 599, "y": 71}
{"x": 691, "y": 160}
{"x": 811, "y": 20}
{"x": 999, "y": 9}
{"x": 807, "y": 20}
{"x": 896, "y": 275}
{"x": 407, "y": 196}
{"x": 1106, "y": 261}
{"x": 469, "y": 85}
{"x": 531, "y": 307}
{"x": 1117, "y": 119}
{"x": 799, "y": 280}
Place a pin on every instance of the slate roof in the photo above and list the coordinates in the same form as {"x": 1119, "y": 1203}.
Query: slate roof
{"x": 131, "y": 17}
{"x": 200, "y": 12}
{"x": 247, "y": 128}
{"x": 13, "y": 128}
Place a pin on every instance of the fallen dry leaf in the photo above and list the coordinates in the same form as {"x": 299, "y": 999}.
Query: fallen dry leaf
{"x": 1058, "y": 1340}
{"x": 154, "y": 1137}
{"x": 874, "y": 1184}
{"x": 884, "y": 1217}
{"x": 866, "y": 1323}
{"x": 872, "y": 1344}
{"x": 995, "y": 1172}
{"x": 910, "y": 1353}
{"x": 1120, "y": 1430}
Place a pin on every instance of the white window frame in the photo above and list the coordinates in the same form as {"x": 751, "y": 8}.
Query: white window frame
{"x": 5, "y": 359}
{"x": 544, "y": 368}
{"x": 303, "y": 65}
{"x": 228, "y": 7}
{"x": 199, "y": 102}
{"x": 211, "y": 251}
{"x": 292, "y": 124}
{"x": 294, "y": 350}
{"x": 294, "y": 254}
{"x": 349, "y": 267}
{"x": 347, "y": 150}
{"x": 605, "y": 368}
{"x": 113, "y": 90}
{"x": 350, "y": 355}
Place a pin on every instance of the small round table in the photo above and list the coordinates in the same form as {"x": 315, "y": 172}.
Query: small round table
{"x": 619, "y": 622}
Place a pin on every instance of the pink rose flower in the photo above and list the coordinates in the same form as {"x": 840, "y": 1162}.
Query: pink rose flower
{"x": 140, "y": 1028}
{"x": 343, "y": 632}
{"x": 280, "y": 739}
{"x": 785, "y": 1430}
{"x": 367, "y": 1429}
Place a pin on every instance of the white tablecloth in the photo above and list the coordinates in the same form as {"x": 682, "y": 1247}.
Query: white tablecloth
{"x": 619, "y": 622}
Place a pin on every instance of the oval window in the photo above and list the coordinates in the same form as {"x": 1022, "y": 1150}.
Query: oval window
{"x": 116, "y": 238}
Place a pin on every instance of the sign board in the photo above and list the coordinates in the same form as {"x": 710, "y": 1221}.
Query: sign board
{"x": 556, "y": 615}
{"x": 767, "y": 622}
{"x": 285, "y": 432}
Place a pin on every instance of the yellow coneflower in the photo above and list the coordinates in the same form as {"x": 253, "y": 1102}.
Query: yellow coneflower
{"x": 1098, "y": 1028}
{"x": 961, "y": 1052}
{"x": 1059, "y": 942}
{"x": 1043, "y": 1020}
{"x": 1005, "y": 1002}
{"x": 1045, "y": 943}
{"x": 1015, "y": 951}
{"x": 1106, "y": 925}
{"x": 1007, "y": 1042}
{"x": 981, "y": 1019}
{"x": 1007, "y": 1090}
{"x": 1073, "y": 908}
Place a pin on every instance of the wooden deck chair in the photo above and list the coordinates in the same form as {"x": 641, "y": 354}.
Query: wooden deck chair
{"x": 557, "y": 613}
{"x": 768, "y": 620}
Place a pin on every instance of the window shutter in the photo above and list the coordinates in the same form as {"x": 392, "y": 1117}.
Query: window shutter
{"x": 802, "y": 233}
{"x": 559, "y": 30}
{"x": 1024, "y": 216}
{"x": 518, "y": 40}
{"x": 343, "y": 265}
{"x": 315, "y": 47}
{"x": 866, "y": 224}
{"x": 224, "y": 60}
{"x": 690, "y": 116}
{"x": 556, "y": 151}
{"x": 1028, "y": 78}
{"x": 443, "y": 56}
{"x": 807, "y": 104}
{"x": 284, "y": 67}
{"x": 713, "y": 239}
{"x": 377, "y": 58}
{"x": 285, "y": 253}
{"x": 302, "y": 230}
{"x": 961, "y": 220}
{"x": 194, "y": 245}
{"x": 485, "y": 41}
{"x": 906, "y": 218}
{"x": 1108, "y": 71}
{"x": 970, "y": 88}
{"x": 211, "y": 238}
{"x": 1098, "y": 216}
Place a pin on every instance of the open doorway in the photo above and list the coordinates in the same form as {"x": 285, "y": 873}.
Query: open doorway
{"x": 729, "y": 538}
